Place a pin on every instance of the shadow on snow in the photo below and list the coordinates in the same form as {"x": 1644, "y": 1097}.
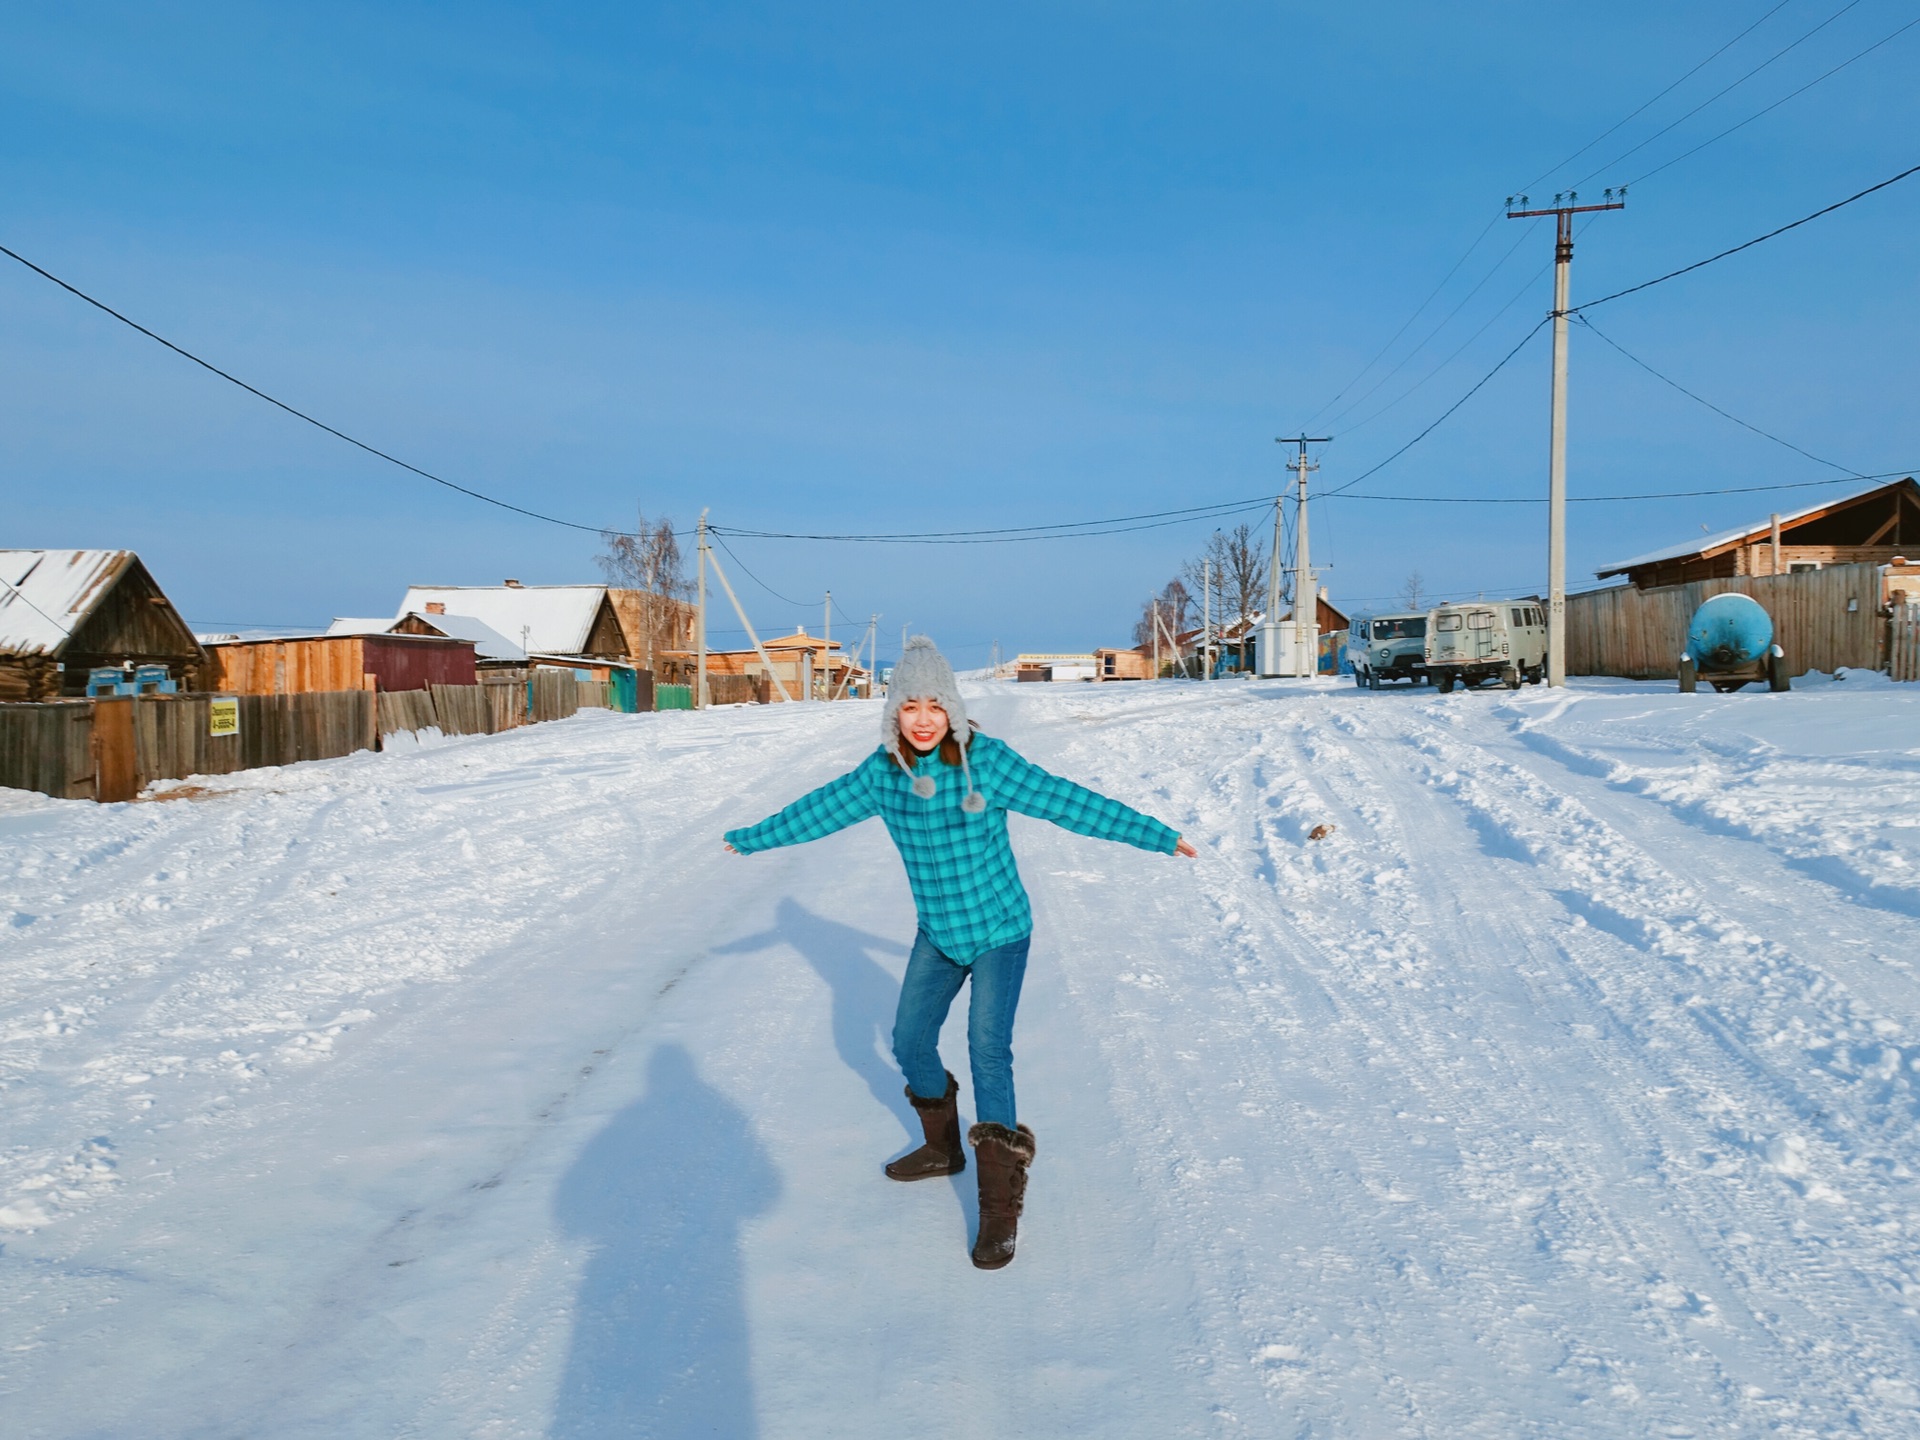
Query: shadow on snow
{"x": 660, "y": 1342}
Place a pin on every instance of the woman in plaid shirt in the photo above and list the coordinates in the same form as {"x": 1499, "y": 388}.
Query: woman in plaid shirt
{"x": 943, "y": 791}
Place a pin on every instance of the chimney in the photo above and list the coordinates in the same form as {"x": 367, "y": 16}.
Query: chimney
{"x": 513, "y": 584}
{"x": 436, "y": 607}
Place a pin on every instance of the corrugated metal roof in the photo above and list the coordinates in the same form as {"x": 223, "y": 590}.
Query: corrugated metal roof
{"x": 45, "y": 594}
{"x": 553, "y": 619}
{"x": 1746, "y": 532}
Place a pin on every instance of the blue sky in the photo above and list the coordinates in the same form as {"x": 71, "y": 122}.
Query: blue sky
{"x": 855, "y": 268}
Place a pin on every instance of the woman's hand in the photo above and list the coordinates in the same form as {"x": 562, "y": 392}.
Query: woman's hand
{"x": 1182, "y": 846}
{"x": 730, "y": 849}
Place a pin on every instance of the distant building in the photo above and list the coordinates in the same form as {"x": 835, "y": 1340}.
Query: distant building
{"x": 490, "y": 647}
{"x": 1074, "y": 665}
{"x": 547, "y": 619}
{"x": 1132, "y": 664}
{"x": 64, "y": 613}
{"x": 1870, "y": 526}
{"x": 796, "y": 658}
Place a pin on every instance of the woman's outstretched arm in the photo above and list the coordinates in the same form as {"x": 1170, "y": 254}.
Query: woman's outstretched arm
{"x": 834, "y": 806}
{"x": 1025, "y": 788}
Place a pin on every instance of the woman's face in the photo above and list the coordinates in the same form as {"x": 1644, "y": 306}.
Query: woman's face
{"x": 923, "y": 723}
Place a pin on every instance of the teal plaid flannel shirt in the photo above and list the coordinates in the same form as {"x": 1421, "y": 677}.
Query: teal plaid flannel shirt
{"x": 960, "y": 867}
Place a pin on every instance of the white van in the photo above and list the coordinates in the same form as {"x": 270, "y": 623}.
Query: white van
{"x": 1486, "y": 640}
{"x": 1387, "y": 647}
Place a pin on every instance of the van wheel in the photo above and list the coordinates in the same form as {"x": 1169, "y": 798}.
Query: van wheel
{"x": 1373, "y": 679}
{"x": 1445, "y": 682}
{"x": 1512, "y": 677}
{"x": 1360, "y": 678}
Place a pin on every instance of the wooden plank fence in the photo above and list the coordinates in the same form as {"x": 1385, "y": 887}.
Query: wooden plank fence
{"x": 113, "y": 749}
{"x": 48, "y": 748}
{"x": 69, "y": 750}
{"x": 1639, "y": 634}
{"x": 1903, "y": 643}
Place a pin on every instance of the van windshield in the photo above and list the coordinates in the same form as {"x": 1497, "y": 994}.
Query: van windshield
{"x": 1412, "y": 629}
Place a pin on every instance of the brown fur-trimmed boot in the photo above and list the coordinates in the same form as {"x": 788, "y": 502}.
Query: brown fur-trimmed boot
{"x": 1004, "y": 1156}
{"x": 943, "y": 1153}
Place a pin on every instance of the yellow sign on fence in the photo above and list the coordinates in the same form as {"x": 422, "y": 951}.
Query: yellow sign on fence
{"x": 223, "y": 717}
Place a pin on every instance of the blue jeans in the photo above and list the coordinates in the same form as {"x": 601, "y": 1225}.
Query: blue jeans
{"x": 925, "y": 997}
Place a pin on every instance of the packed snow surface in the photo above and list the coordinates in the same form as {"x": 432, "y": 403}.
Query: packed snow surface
{"x": 1566, "y": 1087}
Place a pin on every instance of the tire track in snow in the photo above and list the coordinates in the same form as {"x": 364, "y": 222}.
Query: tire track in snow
{"x": 1746, "y": 997}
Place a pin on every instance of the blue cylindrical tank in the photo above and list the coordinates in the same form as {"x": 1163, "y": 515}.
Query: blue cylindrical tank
{"x": 1729, "y": 630}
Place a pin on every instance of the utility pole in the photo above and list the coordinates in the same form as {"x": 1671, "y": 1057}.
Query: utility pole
{"x": 826, "y": 647}
{"x": 700, "y": 668}
{"x": 1306, "y": 623}
{"x": 1563, "y": 210}
{"x": 1206, "y": 619}
{"x": 1153, "y": 610}
{"x": 1269, "y": 642}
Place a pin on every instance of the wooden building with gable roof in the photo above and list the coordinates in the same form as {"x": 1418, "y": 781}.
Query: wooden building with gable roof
{"x": 1869, "y": 526}
{"x": 65, "y": 612}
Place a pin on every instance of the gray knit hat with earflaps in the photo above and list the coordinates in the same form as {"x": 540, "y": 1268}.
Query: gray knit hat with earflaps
{"x": 924, "y": 674}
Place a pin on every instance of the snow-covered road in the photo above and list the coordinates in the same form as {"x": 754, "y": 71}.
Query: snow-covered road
{"x": 1567, "y": 1088}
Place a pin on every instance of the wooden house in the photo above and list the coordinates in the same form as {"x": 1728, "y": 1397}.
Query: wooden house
{"x": 548, "y": 619}
{"x": 653, "y": 622}
{"x": 304, "y": 664}
{"x": 491, "y": 649}
{"x": 1133, "y": 664}
{"x": 796, "y": 658}
{"x": 1868, "y": 526}
{"x": 66, "y": 612}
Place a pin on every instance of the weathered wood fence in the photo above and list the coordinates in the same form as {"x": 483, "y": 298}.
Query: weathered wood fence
{"x": 1903, "y": 643}
{"x": 113, "y": 749}
{"x": 1639, "y": 634}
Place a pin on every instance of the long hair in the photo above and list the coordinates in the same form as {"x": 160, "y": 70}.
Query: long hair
{"x": 949, "y": 747}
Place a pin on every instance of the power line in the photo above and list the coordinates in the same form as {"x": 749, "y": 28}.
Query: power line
{"x": 1407, "y": 359}
{"x": 1063, "y": 530}
{"x": 1718, "y": 93}
{"x": 785, "y": 599}
{"x": 1538, "y": 326}
{"x": 1490, "y": 322}
{"x": 1687, "y": 154}
{"x": 299, "y": 414}
{"x": 1758, "y": 239}
{"x": 1404, "y": 324}
{"x": 1724, "y": 414}
{"x": 1656, "y": 99}
{"x": 1610, "y": 499}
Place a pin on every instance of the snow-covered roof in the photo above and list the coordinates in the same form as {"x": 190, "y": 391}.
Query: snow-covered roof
{"x": 488, "y": 643}
{"x": 554, "y": 619}
{"x": 1709, "y": 543}
{"x": 45, "y": 594}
